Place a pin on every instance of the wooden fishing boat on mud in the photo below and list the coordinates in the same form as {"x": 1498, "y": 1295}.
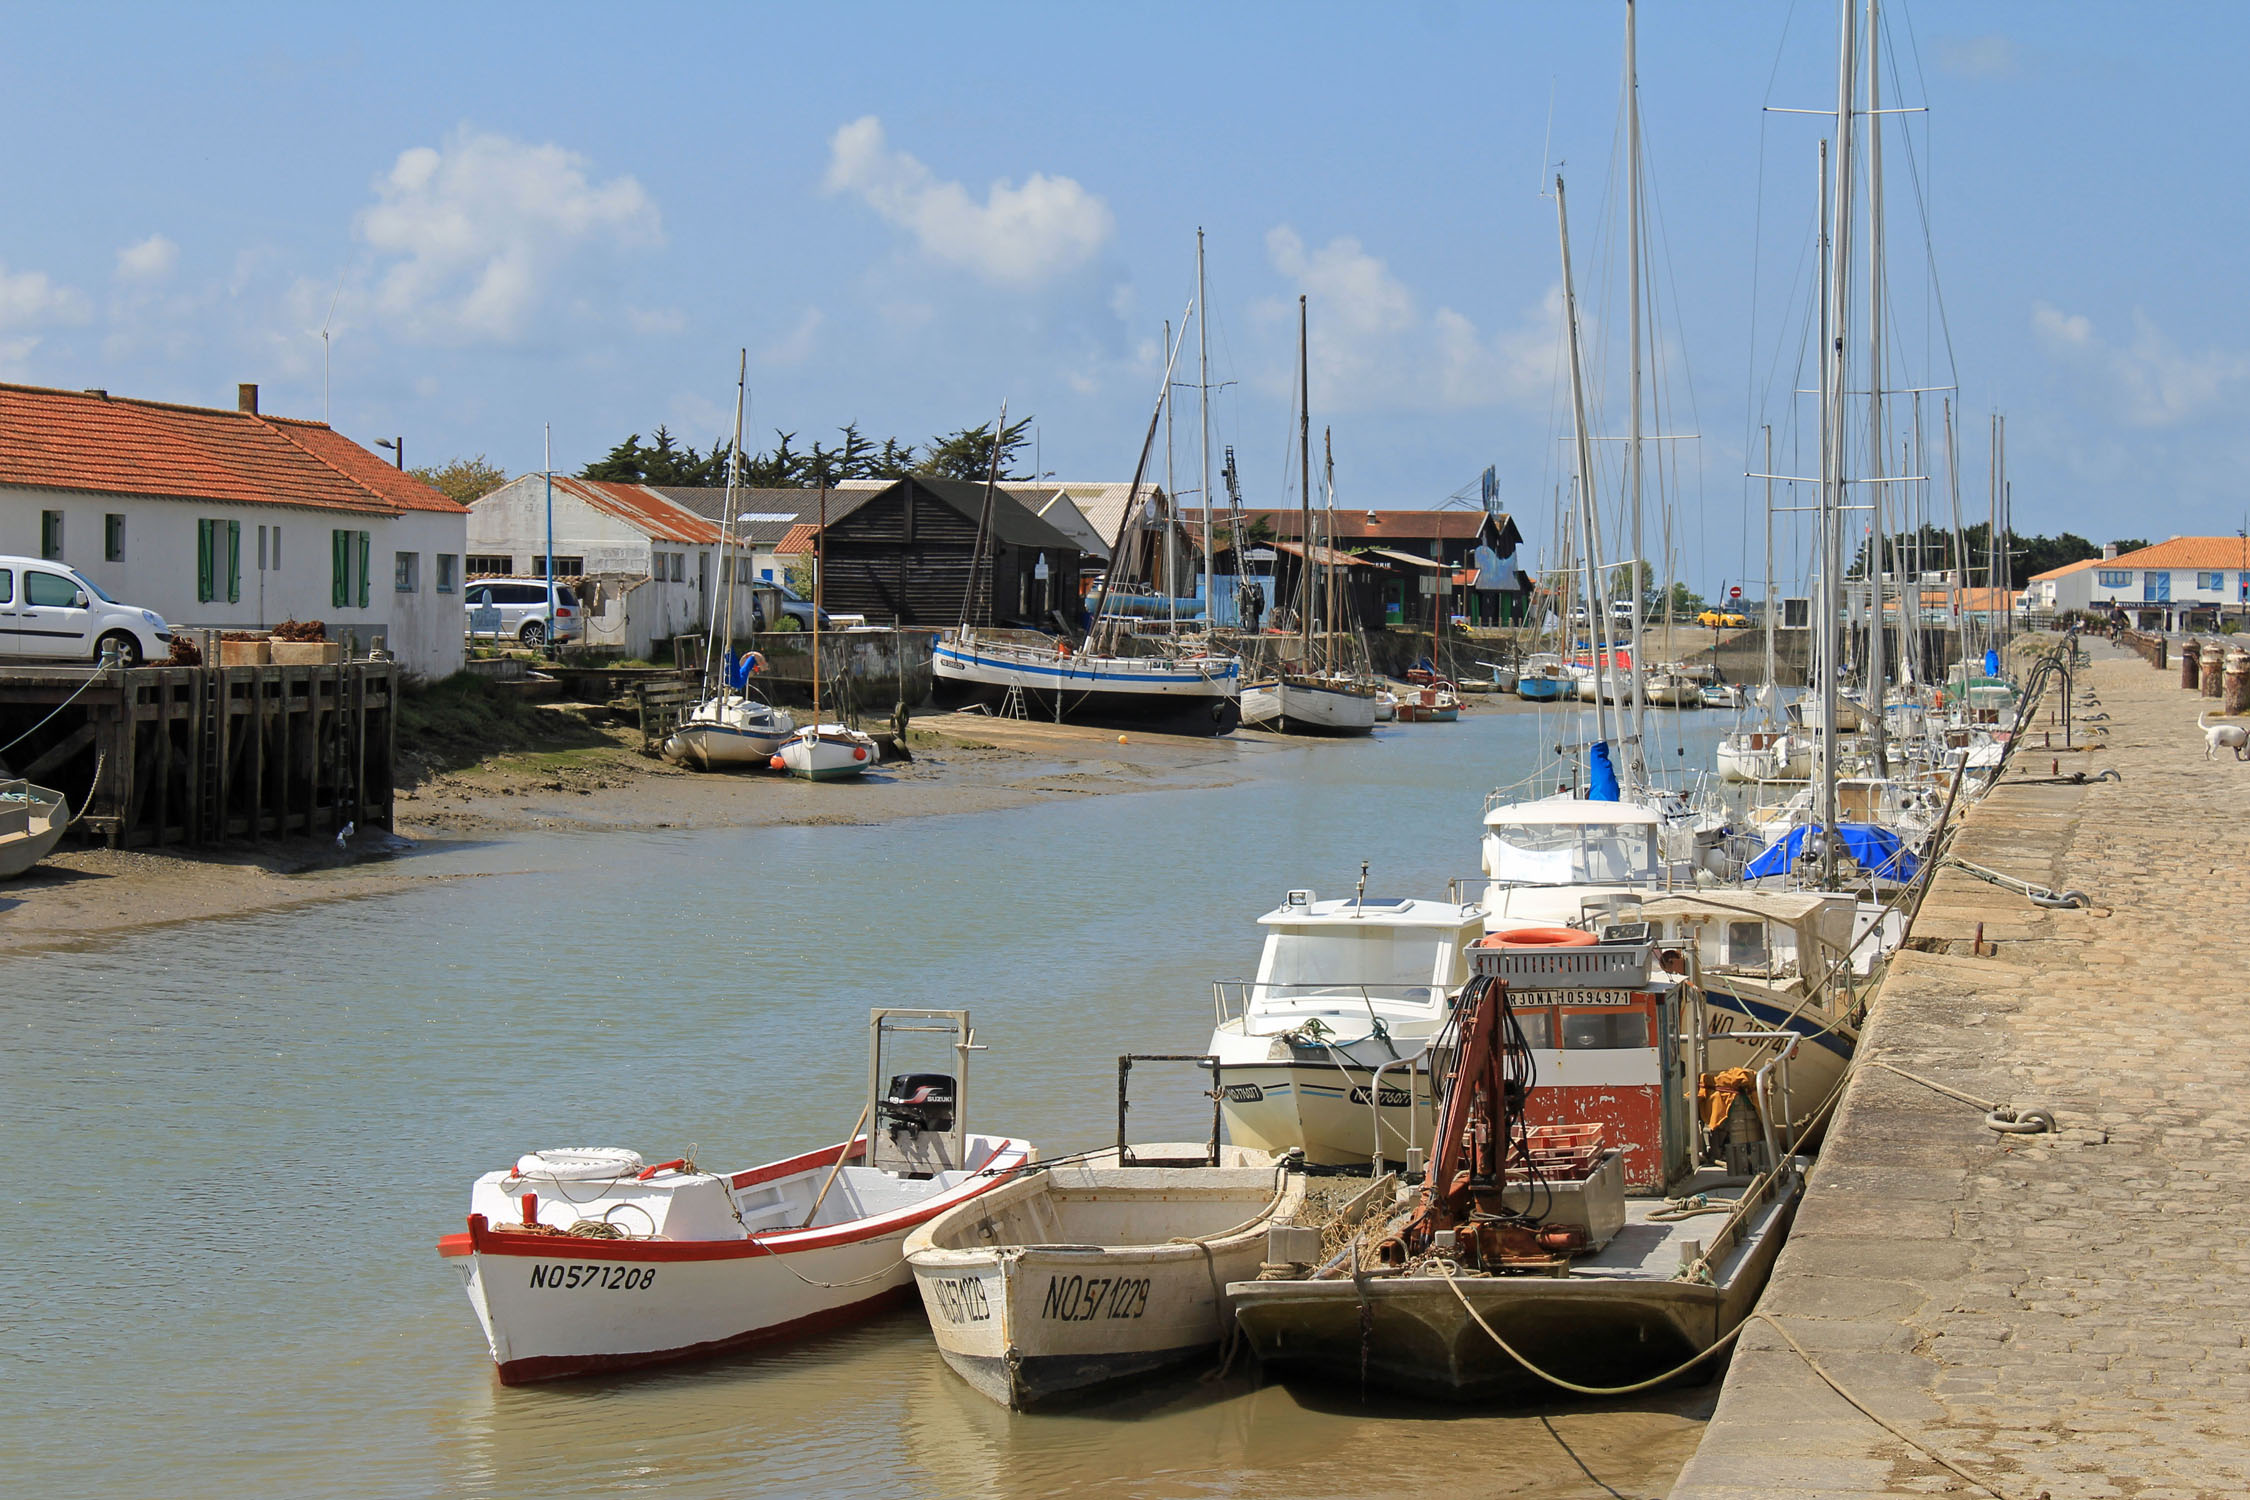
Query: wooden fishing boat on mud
{"x": 1084, "y": 1275}
{"x": 1577, "y": 1227}
{"x": 586, "y": 1260}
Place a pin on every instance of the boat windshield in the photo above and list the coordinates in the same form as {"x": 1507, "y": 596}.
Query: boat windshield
{"x": 1386, "y": 960}
{"x": 1572, "y": 853}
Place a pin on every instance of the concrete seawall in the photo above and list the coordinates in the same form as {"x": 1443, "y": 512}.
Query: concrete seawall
{"x": 2063, "y": 1314}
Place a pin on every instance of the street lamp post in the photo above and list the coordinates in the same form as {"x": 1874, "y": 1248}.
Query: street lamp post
{"x": 397, "y": 445}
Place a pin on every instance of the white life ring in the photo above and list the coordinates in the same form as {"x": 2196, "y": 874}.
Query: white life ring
{"x": 579, "y": 1163}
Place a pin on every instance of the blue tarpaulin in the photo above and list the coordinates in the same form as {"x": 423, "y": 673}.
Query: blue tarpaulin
{"x": 1877, "y": 850}
{"x": 1601, "y": 775}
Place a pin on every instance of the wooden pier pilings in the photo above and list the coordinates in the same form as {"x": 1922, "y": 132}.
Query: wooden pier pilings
{"x": 206, "y": 755}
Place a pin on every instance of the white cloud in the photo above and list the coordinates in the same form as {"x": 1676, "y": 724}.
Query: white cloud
{"x": 150, "y": 260}
{"x": 482, "y": 230}
{"x": 30, "y": 300}
{"x": 1016, "y": 236}
{"x": 796, "y": 346}
{"x": 2148, "y": 380}
{"x": 656, "y": 320}
{"x": 1373, "y": 346}
{"x": 1991, "y": 56}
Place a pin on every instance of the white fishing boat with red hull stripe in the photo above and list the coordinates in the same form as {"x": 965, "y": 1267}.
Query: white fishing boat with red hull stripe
{"x": 585, "y": 1261}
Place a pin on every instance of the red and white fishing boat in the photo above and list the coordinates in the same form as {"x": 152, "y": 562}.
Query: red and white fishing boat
{"x": 581, "y": 1261}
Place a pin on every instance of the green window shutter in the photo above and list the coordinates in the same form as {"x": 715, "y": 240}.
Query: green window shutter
{"x": 205, "y": 575}
{"x": 340, "y": 568}
{"x": 234, "y": 562}
{"x": 363, "y": 570}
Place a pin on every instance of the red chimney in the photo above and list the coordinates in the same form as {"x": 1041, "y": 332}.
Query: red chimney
{"x": 246, "y": 398}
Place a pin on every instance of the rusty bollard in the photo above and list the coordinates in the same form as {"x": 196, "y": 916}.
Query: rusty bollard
{"x": 2236, "y": 698}
{"x": 2214, "y": 658}
{"x": 2189, "y": 659}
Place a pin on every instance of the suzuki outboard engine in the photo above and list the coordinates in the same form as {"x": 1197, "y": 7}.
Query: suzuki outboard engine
{"x": 917, "y": 1103}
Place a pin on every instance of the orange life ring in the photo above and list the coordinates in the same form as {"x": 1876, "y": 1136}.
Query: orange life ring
{"x": 1540, "y": 937}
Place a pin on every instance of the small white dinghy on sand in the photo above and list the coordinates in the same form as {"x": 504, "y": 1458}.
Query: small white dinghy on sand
{"x": 581, "y": 1261}
{"x": 32, "y": 820}
{"x": 1080, "y": 1275}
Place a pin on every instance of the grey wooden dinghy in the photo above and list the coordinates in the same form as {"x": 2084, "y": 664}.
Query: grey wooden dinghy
{"x": 1081, "y": 1275}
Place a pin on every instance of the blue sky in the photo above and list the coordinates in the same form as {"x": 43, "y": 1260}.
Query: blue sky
{"x": 907, "y": 213}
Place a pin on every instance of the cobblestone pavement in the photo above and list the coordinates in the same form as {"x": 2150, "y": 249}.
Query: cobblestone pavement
{"x": 2065, "y": 1315}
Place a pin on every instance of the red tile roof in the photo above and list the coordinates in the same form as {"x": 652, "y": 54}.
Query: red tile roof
{"x": 75, "y": 440}
{"x": 2069, "y": 568}
{"x": 2208, "y": 552}
{"x": 641, "y": 507}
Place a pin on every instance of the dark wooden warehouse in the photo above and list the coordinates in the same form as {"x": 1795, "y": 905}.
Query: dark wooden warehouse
{"x": 901, "y": 554}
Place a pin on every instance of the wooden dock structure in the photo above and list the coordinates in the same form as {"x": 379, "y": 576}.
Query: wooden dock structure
{"x": 150, "y": 756}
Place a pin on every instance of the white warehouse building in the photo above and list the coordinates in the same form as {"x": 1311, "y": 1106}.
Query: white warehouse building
{"x": 233, "y": 520}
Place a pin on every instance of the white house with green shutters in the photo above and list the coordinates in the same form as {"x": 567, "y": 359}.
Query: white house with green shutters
{"x": 233, "y": 520}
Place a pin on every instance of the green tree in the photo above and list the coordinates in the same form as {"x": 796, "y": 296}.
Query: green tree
{"x": 967, "y": 454}
{"x": 463, "y": 479}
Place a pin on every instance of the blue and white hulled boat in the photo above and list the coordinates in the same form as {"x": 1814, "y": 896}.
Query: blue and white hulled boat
{"x": 1186, "y": 692}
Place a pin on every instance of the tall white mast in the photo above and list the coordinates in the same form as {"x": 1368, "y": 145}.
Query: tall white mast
{"x": 1171, "y": 497}
{"x": 1589, "y": 534}
{"x": 1836, "y": 366}
{"x": 1770, "y": 691}
{"x": 1636, "y": 759}
{"x": 1877, "y": 444}
{"x": 1203, "y": 417}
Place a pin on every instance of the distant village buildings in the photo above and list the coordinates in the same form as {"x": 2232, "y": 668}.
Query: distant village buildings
{"x": 2173, "y": 585}
{"x": 233, "y": 519}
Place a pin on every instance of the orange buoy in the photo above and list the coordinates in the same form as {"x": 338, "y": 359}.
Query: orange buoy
{"x": 778, "y": 764}
{"x": 1539, "y": 937}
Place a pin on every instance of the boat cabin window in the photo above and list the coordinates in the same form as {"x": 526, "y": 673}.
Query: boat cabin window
{"x": 1395, "y": 959}
{"x": 1746, "y": 945}
{"x": 1589, "y": 1031}
{"x": 1573, "y": 853}
{"x": 1538, "y": 1027}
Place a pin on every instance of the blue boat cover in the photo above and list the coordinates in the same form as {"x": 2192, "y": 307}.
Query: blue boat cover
{"x": 1877, "y": 850}
{"x": 1601, "y": 775}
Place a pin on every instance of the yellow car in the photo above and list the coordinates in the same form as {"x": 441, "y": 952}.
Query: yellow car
{"x": 1719, "y": 619}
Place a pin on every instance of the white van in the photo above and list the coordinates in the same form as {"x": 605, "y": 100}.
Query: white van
{"x": 522, "y": 607}
{"x": 48, "y": 610}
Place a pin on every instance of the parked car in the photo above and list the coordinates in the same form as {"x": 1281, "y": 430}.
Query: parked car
{"x": 1621, "y": 609}
{"x": 48, "y": 610}
{"x": 522, "y": 603}
{"x": 796, "y": 611}
{"x": 1721, "y": 619}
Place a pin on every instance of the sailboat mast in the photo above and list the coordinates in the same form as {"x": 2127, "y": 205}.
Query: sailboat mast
{"x": 1171, "y": 505}
{"x": 1304, "y": 482}
{"x": 1771, "y": 690}
{"x": 984, "y": 522}
{"x": 1203, "y": 420}
{"x": 1328, "y": 530}
{"x": 1877, "y": 442}
{"x": 1836, "y": 365}
{"x": 1638, "y": 757}
{"x": 729, "y": 559}
{"x": 819, "y": 591}
{"x": 1585, "y": 445}
{"x": 1133, "y": 492}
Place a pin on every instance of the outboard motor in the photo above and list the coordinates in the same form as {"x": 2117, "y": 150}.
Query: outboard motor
{"x": 918, "y": 1103}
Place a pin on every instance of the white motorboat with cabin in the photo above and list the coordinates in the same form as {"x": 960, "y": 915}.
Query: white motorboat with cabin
{"x": 32, "y": 820}
{"x": 584, "y": 1260}
{"x": 1084, "y": 1275}
{"x": 1319, "y": 1050}
{"x": 1550, "y": 1231}
{"x": 1553, "y": 861}
{"x": 1765, "y": 755}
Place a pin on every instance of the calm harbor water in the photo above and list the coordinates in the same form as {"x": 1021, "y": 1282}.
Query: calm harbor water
{"x": 237, "y": 1142}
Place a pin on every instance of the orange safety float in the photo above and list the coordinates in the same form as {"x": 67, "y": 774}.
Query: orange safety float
{"x": 1540, "y": 937}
